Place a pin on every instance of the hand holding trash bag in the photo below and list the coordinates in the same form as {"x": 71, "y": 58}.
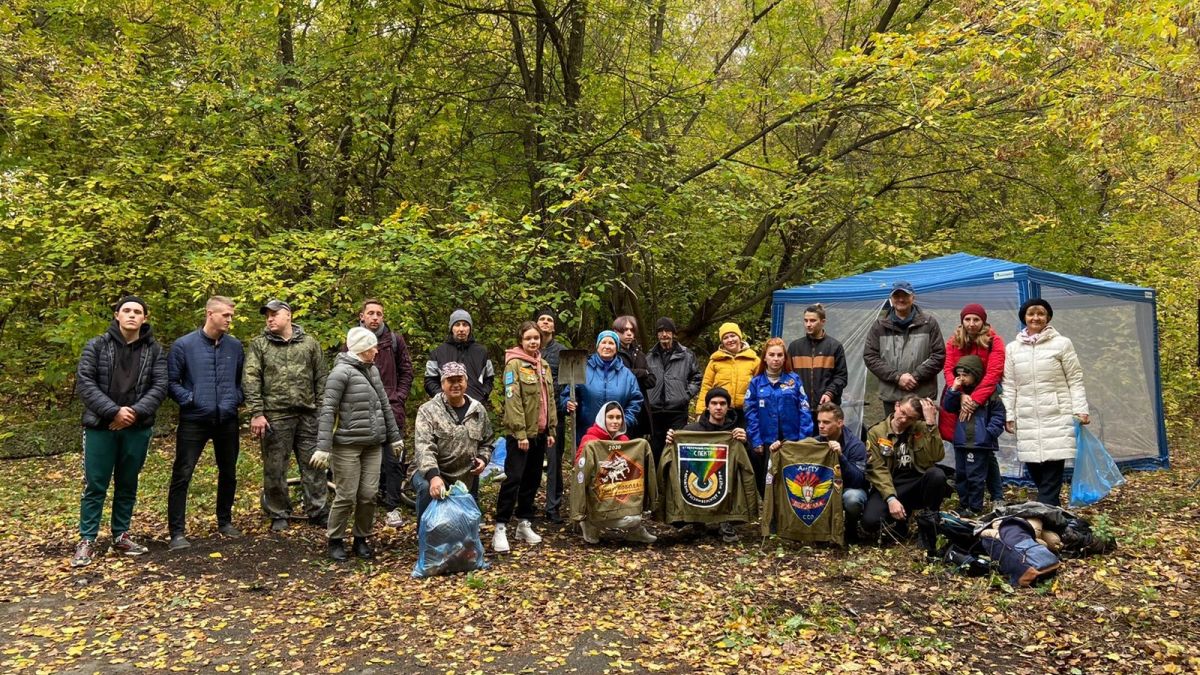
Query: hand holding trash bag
{"x": 448, "y": 536}
{"x": 1095, "y": 474}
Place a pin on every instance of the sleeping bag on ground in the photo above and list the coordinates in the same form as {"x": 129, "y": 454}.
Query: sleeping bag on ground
{"x": 1021, "y": 558}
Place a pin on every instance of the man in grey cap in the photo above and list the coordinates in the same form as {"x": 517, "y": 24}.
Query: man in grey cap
{"x": 461, "y": 347}
{"x": 284, "y": 380}
{"x": 904, "y": 349}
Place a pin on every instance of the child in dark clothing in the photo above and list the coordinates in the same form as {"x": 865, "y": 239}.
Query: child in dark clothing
{"x": 974, "y": 438}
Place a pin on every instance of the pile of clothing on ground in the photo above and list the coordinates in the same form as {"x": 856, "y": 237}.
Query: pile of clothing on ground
{"x": 1024, "y": 542}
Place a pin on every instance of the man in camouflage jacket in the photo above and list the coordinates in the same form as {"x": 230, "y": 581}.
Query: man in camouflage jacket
{"x": 453, "y": 440}
{"x": 284, "y": 379}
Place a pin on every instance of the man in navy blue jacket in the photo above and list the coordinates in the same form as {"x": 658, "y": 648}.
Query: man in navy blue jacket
{"x": 852, "y": 458}
{"x": 204, "y": 375}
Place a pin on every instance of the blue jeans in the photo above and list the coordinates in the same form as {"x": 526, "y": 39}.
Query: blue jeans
{"x": 853, "y": 502}
{"x": 421, "y": 486}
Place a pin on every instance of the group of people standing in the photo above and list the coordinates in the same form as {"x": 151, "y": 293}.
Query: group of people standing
{"x": 351, "y": 419}
{"x": 348, "y": 419}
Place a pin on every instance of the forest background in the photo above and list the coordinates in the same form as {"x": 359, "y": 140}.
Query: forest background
{"x": 601, "y": 157}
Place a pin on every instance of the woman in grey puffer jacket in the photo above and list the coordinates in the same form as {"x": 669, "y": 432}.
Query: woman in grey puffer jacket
{"x": 355, "y": 399}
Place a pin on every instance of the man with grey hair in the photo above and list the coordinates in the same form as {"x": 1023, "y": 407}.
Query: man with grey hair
{"x": 284, "y": 381}
{"x": 204, "y": 376}
{"x": 904, "y": 349}
{"x": 461, "y": 347}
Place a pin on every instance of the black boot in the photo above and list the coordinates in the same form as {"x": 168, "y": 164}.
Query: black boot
{"x": 361, "y": 549}
{"x": 927, "y": 522}
{"x": 337, "y": 550}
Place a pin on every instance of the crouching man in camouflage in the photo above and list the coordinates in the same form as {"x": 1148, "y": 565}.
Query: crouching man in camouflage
{"x": 453, "y": 438}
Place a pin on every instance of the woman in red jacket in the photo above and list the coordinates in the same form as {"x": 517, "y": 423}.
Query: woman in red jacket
{"x": 976, "y": 336}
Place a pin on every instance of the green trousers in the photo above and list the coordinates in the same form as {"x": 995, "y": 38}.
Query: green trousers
{"x": 115, "y": 456}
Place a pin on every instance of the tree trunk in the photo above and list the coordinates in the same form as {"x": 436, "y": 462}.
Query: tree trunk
{"x": 302, "y": 207}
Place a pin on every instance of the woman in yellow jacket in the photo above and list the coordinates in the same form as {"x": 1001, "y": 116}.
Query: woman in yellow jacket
{"x": 732, "y": 367}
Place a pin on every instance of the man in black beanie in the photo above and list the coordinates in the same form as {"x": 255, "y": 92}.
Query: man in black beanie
{"x": 122, "y": 380}
{"x": 547, "y": 323}
{"x": 677, "y": 381}
{"x": 717, "y": 417}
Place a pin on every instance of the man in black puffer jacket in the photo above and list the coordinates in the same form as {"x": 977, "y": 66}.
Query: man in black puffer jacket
{"x": 676, "y": 382}
{"x": 461, "y": 347}
{"x": 121, "y": 379}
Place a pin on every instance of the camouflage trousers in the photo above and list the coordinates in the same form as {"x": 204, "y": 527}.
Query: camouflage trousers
{"x": 290, "y": 436}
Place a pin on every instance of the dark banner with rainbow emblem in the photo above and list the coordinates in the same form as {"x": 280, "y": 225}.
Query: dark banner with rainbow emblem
{"x": 703, "y": 473}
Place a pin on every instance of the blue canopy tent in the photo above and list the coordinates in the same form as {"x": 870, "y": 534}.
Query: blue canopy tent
{"x": 1114, "y": 327}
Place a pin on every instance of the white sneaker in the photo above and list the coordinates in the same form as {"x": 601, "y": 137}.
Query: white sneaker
{"x": 394, "y": 518}
{"x": 526, "y": 534}
{"x": 627, "y": 522}
{"x": 500, "y": 539}
{"x": 590, "y": 535}
{"x": 640, "y": 535}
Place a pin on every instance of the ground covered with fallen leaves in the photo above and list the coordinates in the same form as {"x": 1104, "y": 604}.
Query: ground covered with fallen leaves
{"x": 272, "y": 603}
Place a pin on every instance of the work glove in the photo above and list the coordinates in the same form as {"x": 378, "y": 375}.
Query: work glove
{"x": 320, "y": 460}
{"x": 398, "y": 450}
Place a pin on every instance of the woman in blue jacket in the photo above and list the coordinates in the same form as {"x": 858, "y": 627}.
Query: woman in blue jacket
{"x": 607, "y": 380}
{"x": 776, "y": 408}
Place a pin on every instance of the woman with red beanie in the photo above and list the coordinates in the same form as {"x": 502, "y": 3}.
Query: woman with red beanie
{"x": 974, "y": 336}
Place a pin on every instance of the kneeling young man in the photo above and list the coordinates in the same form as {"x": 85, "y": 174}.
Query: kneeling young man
{"x": 852, "y": 458}
{"x": 902, "y": 455}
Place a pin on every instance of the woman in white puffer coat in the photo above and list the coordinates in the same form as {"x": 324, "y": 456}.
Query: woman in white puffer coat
{"x": 1043, "y": 396}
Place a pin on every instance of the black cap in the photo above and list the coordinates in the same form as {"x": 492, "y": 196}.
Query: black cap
{"x": 1035, "y": 302}
{"x": 903, "y": 286}
{"x": 545, "y": 311}
{"x": 130, "y": 298}
{"x": 274, "y": 305}
{"x": 715, "y": 392}
{"x": 664, "y": 324}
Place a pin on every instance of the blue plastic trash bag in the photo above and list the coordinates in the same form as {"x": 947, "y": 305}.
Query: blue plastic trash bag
{"x": 448, "y": 536}
{"x": 1096, "y": 474}
{"x": 496, "y": 466}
